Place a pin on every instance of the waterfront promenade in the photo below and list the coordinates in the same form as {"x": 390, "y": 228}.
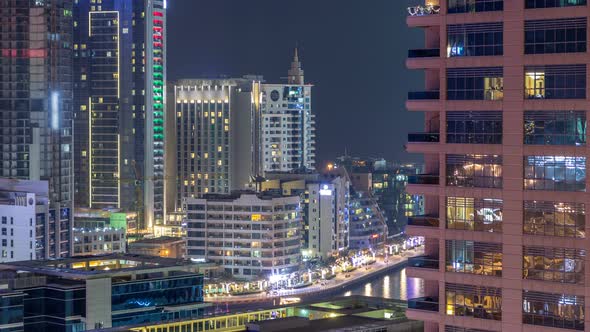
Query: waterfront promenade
{"x": 323, "y": 287}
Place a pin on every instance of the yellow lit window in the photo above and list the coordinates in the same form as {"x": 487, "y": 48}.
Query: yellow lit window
{"x": 83, "y": 77}
{"x": 219, "y": 148}
{"x": 206, "y": 155}
{"x": 193, "y": 155}
{"x": 179, "y": 114}
{"x": 219, "y": 163}
{"x": 256, "y": 217}
{"x": 83, "y": 107}
{"x": 83, "y": 153}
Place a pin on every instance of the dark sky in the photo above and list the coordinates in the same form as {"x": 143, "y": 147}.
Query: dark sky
{"x": 353, "y": 51}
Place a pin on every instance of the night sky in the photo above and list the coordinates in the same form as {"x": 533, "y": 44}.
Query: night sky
{"x": 353, "y": 51}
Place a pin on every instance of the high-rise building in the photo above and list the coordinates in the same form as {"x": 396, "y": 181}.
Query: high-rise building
{"x": 36, "y": 107}
{"x": 212, "y": 136}
{"x": 119, "y": 74}
{"x": 248, "y": 234}
{"x": 505, "y": 148}
{"x": 287, "y": 126}
{"x": 324, "y": 209}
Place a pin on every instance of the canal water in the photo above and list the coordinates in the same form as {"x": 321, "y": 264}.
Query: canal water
{"x": 393, "y": 285}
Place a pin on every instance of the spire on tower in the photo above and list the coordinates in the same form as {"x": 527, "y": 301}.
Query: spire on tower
{"x": 296, "y": 73}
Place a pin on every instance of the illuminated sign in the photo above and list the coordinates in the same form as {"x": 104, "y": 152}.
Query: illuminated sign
{"x": 256, "y": 217}
{"x": 54, "y": 110}
{"x": 325, "y": 191}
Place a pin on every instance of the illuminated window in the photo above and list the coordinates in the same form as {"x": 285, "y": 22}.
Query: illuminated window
{"x": 556, "y": 173}
{"x": 555, "y": 219}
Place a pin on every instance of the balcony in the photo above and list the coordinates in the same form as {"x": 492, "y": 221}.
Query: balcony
{"x": 424, "y": 137}
{"x": 424, "y": 15}
{"x": 424, "y": 221}
{"x": 424, "y": 53}
{"x": 424, "y": 262}
{"x": 424, "y": 304}
{"x": 424, "y": 179}
{"x": 424, "y": 95}
{"x": 423, "y": 10}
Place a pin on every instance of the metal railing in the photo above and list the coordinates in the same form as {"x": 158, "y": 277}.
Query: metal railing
{"x": 426, "y": 262}
{"x": 424, "y": 220}
{"x": 424, "y": 53}
{"x": 424, "y": 137}
{"x": 424, "y": 179}
{"x": 424, "y": 303}
{"x": 423, "y": 95}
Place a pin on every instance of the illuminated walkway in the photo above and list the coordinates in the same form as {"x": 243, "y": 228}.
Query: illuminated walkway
{"x": 339, "y": 281}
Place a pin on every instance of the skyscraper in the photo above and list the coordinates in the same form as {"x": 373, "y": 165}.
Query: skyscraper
{"x": 213, "y": 136}
{"x": 287, "y": 126}
{"x": 36, "y": 107}
{"x": 505, "y": 150}
{"x": 120, "y": 54}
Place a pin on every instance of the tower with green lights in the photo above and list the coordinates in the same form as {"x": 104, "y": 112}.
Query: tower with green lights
{"x": 119, "y": 96}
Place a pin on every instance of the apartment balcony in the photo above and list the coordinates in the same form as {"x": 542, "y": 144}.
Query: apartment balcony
{"x": 423, "y": 101}
{"x": 424, "y": 53}
{"x": 424, "y": 179}
{"x": 423, "y": 267}
{"x": 424, "y": 262}
{"x": 424, "y": 137}
{"x": 423, "y": 15}
{"x": 423, "y": 143}
{"x": 424, "y": 95}
{"x": 426, "y": 184}
{"x": 427, "y": 220}
{"x": 424, "y": 309}
{"x": 428, "y": 58}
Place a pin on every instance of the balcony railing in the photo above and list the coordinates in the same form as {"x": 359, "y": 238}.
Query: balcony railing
{"x": 425, "y": 262}
{"x": 423, "y": 10}
{"x": 424, "y": 53}
{"x": 423, "y": 179}
{"x": 424, "y": 137}
{"x": 423, "y": 95}
{"x": 424, "y": 220}
{"x": 424, "y": 303}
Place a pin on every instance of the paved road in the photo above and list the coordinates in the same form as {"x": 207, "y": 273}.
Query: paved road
{"x": 338, "y": 282}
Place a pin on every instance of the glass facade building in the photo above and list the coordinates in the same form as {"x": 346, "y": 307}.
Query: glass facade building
{"x": 505, "y": 186}
{"x": 97, "y": 292}
{"x": 119, "y": 75}
{"x": 36, "y": 105}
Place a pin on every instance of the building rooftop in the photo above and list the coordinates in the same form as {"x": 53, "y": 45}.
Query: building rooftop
{"x": 158, "y": 240}
{"x": 267, "y": 195}
{"x": 84, "y": 267}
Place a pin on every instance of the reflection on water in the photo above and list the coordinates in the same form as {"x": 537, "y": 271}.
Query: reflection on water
{"x": 393, "y": 286}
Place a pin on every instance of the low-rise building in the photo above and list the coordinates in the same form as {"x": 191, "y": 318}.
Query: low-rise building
{"x": 351, "y": 313}
{"x": 85, "y": 293}
{"x": 248, "y": 234}
{"x": 99, "y": 241}
{"x": 165, "y": 246}
{"x": 17, "y": 217}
